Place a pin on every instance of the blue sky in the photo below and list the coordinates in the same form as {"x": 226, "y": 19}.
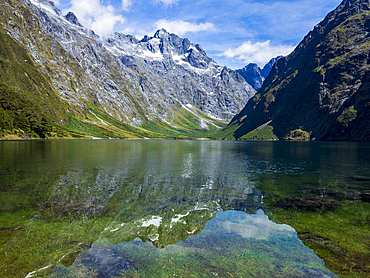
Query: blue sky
{"x": 232, "y": 32}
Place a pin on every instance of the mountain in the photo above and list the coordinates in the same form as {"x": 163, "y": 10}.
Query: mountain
{"x": 254, "y": 75}
{"x": 120, "y": 86}
{"x": 321, "y": 90}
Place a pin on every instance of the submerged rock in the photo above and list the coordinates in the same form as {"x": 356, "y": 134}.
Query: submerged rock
{"x": 343, "y": 194}
{"x": 313, "y": 273}
{"x": 315, "y": 239}
{"x": 365, "y": 196}
{"x": 311, "y": 203}
{"x": 99, "y": 261}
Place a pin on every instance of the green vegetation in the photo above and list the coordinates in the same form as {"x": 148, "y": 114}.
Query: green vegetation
{"x": 347, "y": 116}
{"x": 347, "y": 227}
{"x": 186, "y": 125}
{"x": 226, "y": 133}
{"x": 29, "y": 105}
{"x": 345, "y": 230}
{"x": 20, "y": 116}
{"x": 261, "y": 133}
{"x": 298, "y": 135}
{"x": 32, "y": 243}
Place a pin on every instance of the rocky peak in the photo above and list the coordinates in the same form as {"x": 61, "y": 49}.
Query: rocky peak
{"x": 161, "y": 33}
{"x": 267, "y": 68}
{"x": 145, "y": 39}
{"x": 344, "y": 11}
{"x": 47, "y": 5}
{"x": 71, "y": 17}
{"x": 254, "y": 75}
{"x": 200, "y": 49}
{"x": 120, "y": 37}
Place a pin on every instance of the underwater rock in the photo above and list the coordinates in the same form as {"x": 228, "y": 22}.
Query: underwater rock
{"x": 318, "y": 240}
{"x": 23, "y": 228}
{"x": 360, "y": 178}
{"x": 345, "y": 194}
{"x": 313, "y": 273}
{"x": 105, "y": 261}
{"x": 365, "y": 196}
{"x": 102, "y": 262}
{"x": 312, "y": 203}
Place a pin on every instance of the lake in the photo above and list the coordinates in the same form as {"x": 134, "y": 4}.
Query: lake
{"x": 115, "y": 208}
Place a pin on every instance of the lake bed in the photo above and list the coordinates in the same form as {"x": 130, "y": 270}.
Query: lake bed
{"x": 184, "y": 208}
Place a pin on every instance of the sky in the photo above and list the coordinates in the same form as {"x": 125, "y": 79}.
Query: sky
{"x": 232, "y": 32}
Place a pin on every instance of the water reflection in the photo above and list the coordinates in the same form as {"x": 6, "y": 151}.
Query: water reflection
{"x": 233, "y": 244}
{"x": 198, "y": 204}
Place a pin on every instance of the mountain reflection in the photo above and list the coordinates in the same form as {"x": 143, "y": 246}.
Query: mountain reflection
{"x": 253, "y": 244}
{"x": 141, "y": 207}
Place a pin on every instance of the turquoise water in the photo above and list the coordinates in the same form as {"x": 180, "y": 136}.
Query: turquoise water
{"x": 104, "y": 208}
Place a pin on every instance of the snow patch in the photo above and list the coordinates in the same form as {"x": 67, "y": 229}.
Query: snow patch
{"x": 148, "y": 54}
{"x": 178, "y": 217}
{"x": 44, "y": 7}
{"x": 103, "y": 122}
{"x": 192, "y": 232}
{"x": 156, "y": 221}
{"x": 31, "y": 274}
{"x": 153, "y": 237}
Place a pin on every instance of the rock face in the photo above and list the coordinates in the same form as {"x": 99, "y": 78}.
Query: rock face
{"x": 322, "y": 87}
{"x": 182, "y": 71}
{"x": 254, "y": 75}
{"x": 134, "y": 81}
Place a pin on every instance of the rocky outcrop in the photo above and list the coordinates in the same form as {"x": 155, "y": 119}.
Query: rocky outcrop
{"x": 71, "y": 17}
{"x": 322, "y": 87}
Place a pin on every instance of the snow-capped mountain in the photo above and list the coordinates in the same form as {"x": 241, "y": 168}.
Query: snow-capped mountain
{"x": 131, "y": 80}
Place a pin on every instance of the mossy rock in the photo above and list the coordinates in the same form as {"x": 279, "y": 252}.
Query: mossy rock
{"x": 298, "y": 135}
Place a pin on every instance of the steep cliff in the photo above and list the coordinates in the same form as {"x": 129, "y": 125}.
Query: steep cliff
{"x": 322, "y": 87}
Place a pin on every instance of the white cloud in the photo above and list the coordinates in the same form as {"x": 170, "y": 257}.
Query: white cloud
{"x": 180, "y": 27}
{"x": 167, "y": 2}
{"x": 126, "y": 5}
{"x": 92, "y": 14}
{"x": 260, "y": 52}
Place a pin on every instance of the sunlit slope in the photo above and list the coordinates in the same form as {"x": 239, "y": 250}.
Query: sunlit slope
{"x": 118, "y": 87}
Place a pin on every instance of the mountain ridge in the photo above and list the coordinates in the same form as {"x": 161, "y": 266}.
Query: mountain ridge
{"x": 163, "y": 89}
{"x": 313, "y": 89}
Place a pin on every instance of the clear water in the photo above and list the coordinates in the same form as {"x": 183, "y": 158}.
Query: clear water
{"x": 105, "y": 208}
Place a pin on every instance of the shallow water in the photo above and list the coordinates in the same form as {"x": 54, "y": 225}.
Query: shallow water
{"x": 167, "y": 208}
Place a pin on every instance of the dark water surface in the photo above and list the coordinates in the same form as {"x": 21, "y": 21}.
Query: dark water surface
{"x": 111, "y": 208}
